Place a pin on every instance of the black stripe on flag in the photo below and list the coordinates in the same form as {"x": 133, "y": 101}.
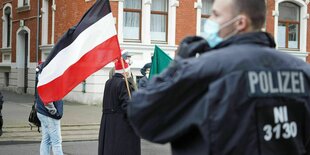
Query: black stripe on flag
{"x": 100, "y": 9}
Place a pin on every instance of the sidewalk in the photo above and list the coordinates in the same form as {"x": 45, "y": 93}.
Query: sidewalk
{"x": 16, "y": 109}
{"x": 79, "y": 122}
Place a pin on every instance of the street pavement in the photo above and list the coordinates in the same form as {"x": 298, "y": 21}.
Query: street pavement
{"x": 79, "y": 125}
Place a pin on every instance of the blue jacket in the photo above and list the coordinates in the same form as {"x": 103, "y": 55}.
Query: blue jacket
{"x": 41, "y": 108}
{"x": 242, "y": 98}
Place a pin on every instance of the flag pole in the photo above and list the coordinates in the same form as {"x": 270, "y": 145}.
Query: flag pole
{"x": 126, "y": 80}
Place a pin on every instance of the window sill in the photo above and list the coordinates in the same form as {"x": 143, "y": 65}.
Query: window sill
{"x": 23, "y": 8}
{"x": 159, "y": 42}
{"x": 132, "y": 41}
{"x": 6, "y": 50}
{"x": 5, "y": 67}
{"x": 289, "y": 49}
{"x": 5, "y": 64}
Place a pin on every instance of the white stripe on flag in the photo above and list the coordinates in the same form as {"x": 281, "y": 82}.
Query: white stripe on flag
{"x": 91, "y": 37}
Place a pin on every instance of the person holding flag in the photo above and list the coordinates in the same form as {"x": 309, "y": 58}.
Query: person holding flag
{"x": 116, "y": 135}
{"x": 49, "y": 116}
{"x": 83, "y": 50}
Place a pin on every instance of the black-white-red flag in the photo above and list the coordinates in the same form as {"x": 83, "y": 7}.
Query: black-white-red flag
{"x": 83, "y": 50}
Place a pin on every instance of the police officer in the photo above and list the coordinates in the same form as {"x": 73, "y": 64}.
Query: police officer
{"x": 240, "y": 96}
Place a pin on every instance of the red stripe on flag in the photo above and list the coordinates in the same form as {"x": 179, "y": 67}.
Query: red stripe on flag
{"x": 91, "y": 62}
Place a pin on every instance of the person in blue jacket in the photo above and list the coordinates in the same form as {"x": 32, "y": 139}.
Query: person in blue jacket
{"x": 239, "y": 96}
{"x": 49, "y": 116}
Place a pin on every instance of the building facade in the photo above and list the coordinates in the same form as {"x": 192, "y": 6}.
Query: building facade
{"x": 31, "y": 28}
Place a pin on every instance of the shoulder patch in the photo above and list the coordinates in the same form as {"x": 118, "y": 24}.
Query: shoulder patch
{"x": 277, "y": 83}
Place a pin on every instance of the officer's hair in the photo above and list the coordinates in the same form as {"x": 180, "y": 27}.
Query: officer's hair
{"x": 254, "y": 9}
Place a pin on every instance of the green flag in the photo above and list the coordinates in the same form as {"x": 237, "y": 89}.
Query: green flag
{"x": 160, "y": 61}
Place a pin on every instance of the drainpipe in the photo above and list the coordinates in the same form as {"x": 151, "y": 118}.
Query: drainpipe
{"x": 38, "y": 31}
{"x": 53, "y": 22}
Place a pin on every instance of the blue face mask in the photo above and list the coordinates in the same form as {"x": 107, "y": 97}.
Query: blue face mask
{"x": 212, "y": 29}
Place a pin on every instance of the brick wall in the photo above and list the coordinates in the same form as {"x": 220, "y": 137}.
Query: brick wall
{"x": 30, "y": 21}
{"x": 270, "y": 18}
{"x": 114, "y": 8}
{"x": 186, "y": 20}
{"x": 67, "y": 14}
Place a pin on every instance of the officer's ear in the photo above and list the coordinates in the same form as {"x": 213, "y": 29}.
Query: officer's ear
{"x": 243, "y": 24}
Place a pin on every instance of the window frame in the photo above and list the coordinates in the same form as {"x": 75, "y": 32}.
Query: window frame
{"x": 287, "y": 23}
{"x": 166, "y": 14}
{"x": 8, "y": 27}
{"x": 23, "y": 3}
{"x": 22, "y": 6}
{"x": 139, "y": 11}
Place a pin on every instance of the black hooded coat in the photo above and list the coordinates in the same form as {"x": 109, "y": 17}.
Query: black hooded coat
{"x": 116, "y": 136}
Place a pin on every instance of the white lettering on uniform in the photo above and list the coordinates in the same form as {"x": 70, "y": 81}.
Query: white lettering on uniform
{"x": 280, "y": 114}
{"x": 282, "y": 127}
{"x": 253, "y": 79}
{"x": 302, "y": 86}
{"x": 280, "y": 82}
{"x": 263, "y": 82}
{"x": 272, "y": 88}
{"x": 276, "y": 82}
{"x": 295, "y": 82}
{"x": 286, "y": 89}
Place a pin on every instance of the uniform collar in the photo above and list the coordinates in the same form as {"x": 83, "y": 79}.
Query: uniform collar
{"x": 259, "y": 38}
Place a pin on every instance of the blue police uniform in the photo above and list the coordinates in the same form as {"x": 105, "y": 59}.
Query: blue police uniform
{"x": 241, "y": 98}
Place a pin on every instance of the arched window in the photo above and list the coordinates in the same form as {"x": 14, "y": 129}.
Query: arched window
{"x": 159, "y": 20}
{"x": 7, "y": 12}
{"x": 132, "y": 20}
{"x": 206, "y": 11}
{"x": 289, "y": 25}
{"x": 7, "y": 27}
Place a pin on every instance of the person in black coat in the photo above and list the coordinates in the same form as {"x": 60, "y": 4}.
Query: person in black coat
{"x": 116, "y": 136}
{"x": 145, "y": 71}
{"x": 231, "y": 94}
